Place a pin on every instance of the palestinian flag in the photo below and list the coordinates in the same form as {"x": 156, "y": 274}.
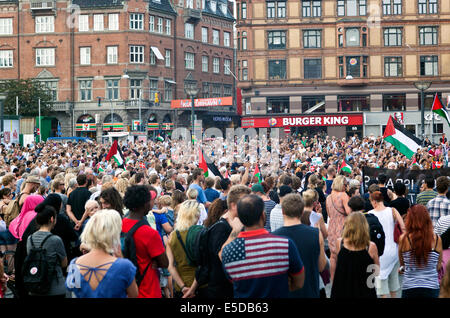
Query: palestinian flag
{"x": 257, "y": 174}
{"x": 439, "y": 109}
{"x": 116, "y": 154}
{"x": 402, "y": 139}
{"x": 99, "y": 168}
{"x": 345, "y": 166}
{"x": 159, "y": 138}
{"x": 208, "y": 167}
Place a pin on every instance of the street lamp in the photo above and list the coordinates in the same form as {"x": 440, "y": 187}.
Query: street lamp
{"x": 192, "y": 91}
{"x": 2, "y": 104}
{"x": 422, "y": 86}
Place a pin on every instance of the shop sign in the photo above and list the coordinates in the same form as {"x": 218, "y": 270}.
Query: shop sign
{"x": 303, "y": 121}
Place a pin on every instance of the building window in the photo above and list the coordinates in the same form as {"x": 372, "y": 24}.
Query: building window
{"x": 189, "y": 31}
{"x": 428, "y": 35}
{"x": 98, "y": 22}
{"x": 168, "y": 57}
{"x": 277, "y": 69}
{"x": 244, "y": 40}
{"x": 160, "y": 25}
{"x": 352, "y": 37}
{"x": 226, "y": 66}
{"x": 278, "y": 105}
{"x": 112, "y": 89}
{"x": 6, "y": 26}
{"x": 168, "y": 91}
{"x": 152, "y": 58}
{"x": 244, "y": 70}
{"x": 351, "y": 8}
{"x": 6, "y": 58}
{"x": 52, "y": 88}
{"x": 226, "y": 39}
{"x": 45, "y": 24}
{"x": 393, "y": 66}
{"x": 216, "y": 37}
{"x": 83, "y": 23}
{"x": 205, "y": 90}
{"x": 204, "y": 35}
{"x": 205, "y": 61}
{"x": 216, "y": 90}
{"x": 85, "y": 55}
{"x": 276, "y": 40}
{"x": 428, "y": 6}
{"x": 136, "y": 21}
{"x": 189, "y": 60}
{"x": 151, "y": 23}
{"x": 438, "y": 128}
{"x": 354, "y": 66}
{"x": 227, "y": 90}
{"x": 113, "y": 22}
{"x": 312, "y": 68}
{"x": 168, "y": 27}
{"x": 428, "y": 100}
{"x": 85, "y": 90}
{"x": 392, "y": 36}
{"x": 353, "y": 103}
{"x": 309, "y": 102}
{"x": 392, "y": 7}
{"x": 153, "y": 88}
{"x": 135, "y": 88}
{"x": 190, "y": 4}
{"x": 244, "y": 10}
{"x": 136, "y": 54}
{"x": 216, "y": 65}
{"x": 429, "y": 65}
{"x": 311, "y": 8}
{"x": 276, "y": 9}
{"x": 395, "y": 102}
{"x": 112, "y": 55}
{"x": 45, "y": 57}
{"x": 312, "y": 39}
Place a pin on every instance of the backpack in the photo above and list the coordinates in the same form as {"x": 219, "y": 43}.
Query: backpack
{"x": 38, "y": 269}
{"x": 376, "y": 232}
{"x": 129, "y": 249}
{"x": 12, "y": 210}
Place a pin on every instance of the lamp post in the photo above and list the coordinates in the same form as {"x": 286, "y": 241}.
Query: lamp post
{"x": 192, "y": 91}
{"x": 422, "y": 86}
{"x": 2, "y": 105}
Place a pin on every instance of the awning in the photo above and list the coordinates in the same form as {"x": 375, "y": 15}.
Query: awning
{"x": 158, "y": 54}
{"x": 170, "y": 81}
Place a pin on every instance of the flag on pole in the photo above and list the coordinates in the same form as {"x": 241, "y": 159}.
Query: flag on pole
{"x": 99, "y": 168}
{"x": 159, "y": 138}
{"x": 116, "y": 154}
{"x": 345, "y": 166}
{"x": 440, "y": 109}
{"x": 402, "y": 139}
{"x": 257, "y": 174}
{"x": 208, "y": 167}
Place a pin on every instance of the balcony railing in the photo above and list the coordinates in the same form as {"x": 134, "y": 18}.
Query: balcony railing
{"x": 192, "y": 15}
{"x": 43, "y": 4}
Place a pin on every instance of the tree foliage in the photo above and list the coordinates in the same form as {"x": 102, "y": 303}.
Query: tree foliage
{"x": 29, "y": 92}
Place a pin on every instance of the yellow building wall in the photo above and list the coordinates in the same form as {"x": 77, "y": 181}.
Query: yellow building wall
{"x": 410, "y": 6}
{"x": 376, "y": 66}
{"x": 375, "y": 36}
{"x": 445, "y": 33}
{"x": 294, "y": 11}
{"x": 329, "y": 8}
{"x": 259, "y": 39}
{"x": 410, "y": 34}
{"x": 260, "y": 69}
{"x": 258, "y": 10}
{"x": 445, "y": 62}
{"x": 294, "y": 38}
{"x": 329, "y": 65}
{"x": 330, "y": 37}
{"x": 294, "y": 68}
{"x": 411, "y": 65}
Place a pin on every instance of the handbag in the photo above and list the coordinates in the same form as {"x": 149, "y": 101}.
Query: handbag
{"x": 397, "y": 229}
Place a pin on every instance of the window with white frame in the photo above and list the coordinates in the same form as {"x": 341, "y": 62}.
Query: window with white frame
{"x": 392, "y": 7}
{"x": 112, "y": 89}
{"x": 216, "y": 37}
{"x": 168, "y": 56}
{"x": 85, "y": 90}
{"x": 152, "y": 23}
{"x": 168, "y": 91}
{"x": 6, "y": 58}
{"x": 227, "y": 90}
{"x": 168, "y": 30}
{"x": 152, "y": 58}
{"x": 83, "y": 23}
{"x": 351, "y": 8}
{"x": 45, "y": 24}
{"x": 135, "y": 88}
{"x": 160, "y": 25}
{"x": 226, "y": 66}
{"x": 189, "y": 60}
{"x": 85, "y": 55}
{"x": 429, "y": 65}
{"x": 226, "y": 39}
{"x": 311, "y": 8}
{"x": 427, "y": 6}
{"x": 244, "y": 70}
{"x": 205, "y": 62}
{"x": 112, "y": 53}
{"x": 216, "y": 65}
{"x": 113, "y": 21}
{"x": 189, "y": 31}
{"x": 98, "y": 22}
{"x": 6, "y": 26}
{"x": 45, "y": 57}
{"x": 190, "y": 4}
{"x": 136, "y": 21}
{"x": 51, "y": 87}
{"x": 204, "y": 35}
{"x": 428, "y": 35}
{"x": 136, "y": 54}
{"x": 153, "y": 88}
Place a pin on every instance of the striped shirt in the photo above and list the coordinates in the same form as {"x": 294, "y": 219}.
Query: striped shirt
{"x": 442, "y": 225}
{"x": 439, "y": 206}
{"x": 425, "y": 197}
{"x": 420, "y": 277}
{"x": 259, "y": 263}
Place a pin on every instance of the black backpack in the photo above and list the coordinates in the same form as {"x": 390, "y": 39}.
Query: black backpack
{"x": 129, "y": 249}
{"x": 38, "y": 269}
{"x": 376, "y": 232}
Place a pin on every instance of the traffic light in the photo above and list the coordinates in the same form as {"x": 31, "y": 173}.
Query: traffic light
{"x": 35, "y": 132}
{"x": 99, "y": 99}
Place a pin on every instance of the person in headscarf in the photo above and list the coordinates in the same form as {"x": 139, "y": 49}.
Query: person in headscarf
{"x": 21, "y": 222}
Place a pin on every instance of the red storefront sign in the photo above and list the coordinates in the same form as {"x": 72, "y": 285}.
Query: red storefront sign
{"x": 303, "y": 121}
{"x": 202, "y": 102}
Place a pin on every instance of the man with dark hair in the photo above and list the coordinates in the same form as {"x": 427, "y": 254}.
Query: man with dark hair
{"x": 77, "y": 200}
{"x": 387, "y": 194}
{"x": 253, "y": 249}
{"x": 149, "y": 247}
{"x": 427, "y": 193}
{"x": 401, "y": 203}
{"x": 197, "y": 180}
{"x": 140, "y": 178}
{"x": 440, "y": 206}
{"x": 210, "y": 193}
{"x": 309, "y": 242}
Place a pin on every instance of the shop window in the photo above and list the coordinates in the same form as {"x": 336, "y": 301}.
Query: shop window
{"x": 353, "y": 103}
{"x": 277, "y": 105}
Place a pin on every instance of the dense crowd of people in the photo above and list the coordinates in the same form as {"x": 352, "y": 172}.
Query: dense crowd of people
{"x": 133, "y": 230}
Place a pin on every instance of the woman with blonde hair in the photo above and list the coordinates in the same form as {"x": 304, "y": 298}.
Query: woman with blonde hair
{"x": 337, "y": 209}
{"x": 122, "y": 185}
{"x": 192, "y": 195}
{"x": 182, "y": 272}
{"x": 357, "y": 261}
{"x": 102, "y": 272}
{"x": 312, "y": 205}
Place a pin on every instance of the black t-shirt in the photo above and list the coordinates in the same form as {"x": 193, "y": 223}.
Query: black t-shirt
{"x": 77, "y": 200}
{"x": 179, "y": 186}
{"x": 218, "y": 285}
{"x": 401, "y": 205}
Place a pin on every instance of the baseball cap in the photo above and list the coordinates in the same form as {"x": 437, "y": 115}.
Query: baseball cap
{"x": 33, "y": 179}
{"x": 257, "y": 188}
